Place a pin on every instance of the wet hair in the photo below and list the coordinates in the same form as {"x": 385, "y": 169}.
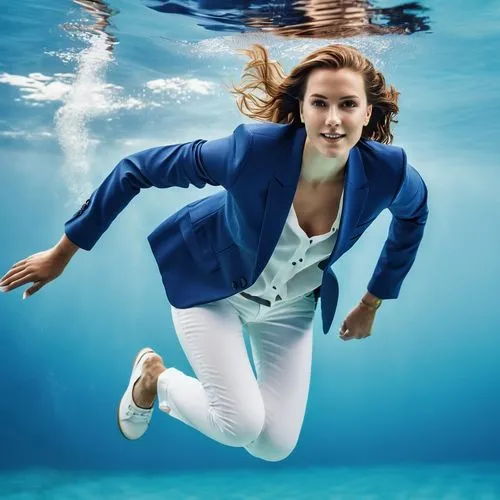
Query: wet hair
{"x": 280, "y": 93}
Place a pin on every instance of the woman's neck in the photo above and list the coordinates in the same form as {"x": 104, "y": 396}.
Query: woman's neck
{"x": 317, "y": 169}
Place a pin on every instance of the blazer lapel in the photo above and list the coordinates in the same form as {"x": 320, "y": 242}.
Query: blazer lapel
{"x": 279, "y": 199}
{"x": 355, "y": 195}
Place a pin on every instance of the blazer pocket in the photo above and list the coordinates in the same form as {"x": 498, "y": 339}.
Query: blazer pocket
{"x": 198, "y": 243}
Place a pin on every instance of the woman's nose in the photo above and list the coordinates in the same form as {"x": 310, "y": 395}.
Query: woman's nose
{"x": 333, "y": 117}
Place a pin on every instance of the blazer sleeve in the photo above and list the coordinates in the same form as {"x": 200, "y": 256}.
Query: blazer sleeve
{"x": 409, "y": 216}
{"x": 217, "y": 162}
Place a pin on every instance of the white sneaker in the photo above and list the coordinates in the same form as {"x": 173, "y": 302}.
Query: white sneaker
{"x": 133, "y": 421}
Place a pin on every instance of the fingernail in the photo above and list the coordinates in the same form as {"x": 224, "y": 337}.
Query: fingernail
{"x": 3, "y": 289}
{"x": 24, "y": 295}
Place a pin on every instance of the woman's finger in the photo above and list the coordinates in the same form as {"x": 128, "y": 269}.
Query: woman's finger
{"x": 12, "y": 272}
{"x": 21, "y": 273}
{"x": 362, "y": 336}
{"x": 20, "y": 263}
{"x": 346, "y": 335}
{"x": 15, "y": 275}
{"x": 14, "y": 267}
{"x": 33, "y": 289}
{"x": 22, "y": 279}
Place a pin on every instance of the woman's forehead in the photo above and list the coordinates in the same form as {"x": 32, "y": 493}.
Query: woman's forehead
{"x": 332, "y": 82}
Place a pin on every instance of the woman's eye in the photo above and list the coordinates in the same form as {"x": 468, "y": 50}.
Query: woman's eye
{"x": 350, "y": 104}
{"x": 347, "y": 104}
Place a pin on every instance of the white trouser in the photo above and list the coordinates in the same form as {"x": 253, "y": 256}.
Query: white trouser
{"x": 226, "y": 402}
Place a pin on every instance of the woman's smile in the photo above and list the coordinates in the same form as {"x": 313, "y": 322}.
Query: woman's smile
{"x": 333, "y": 139}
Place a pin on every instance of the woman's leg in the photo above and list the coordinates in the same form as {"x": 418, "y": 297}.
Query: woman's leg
{"x": 223, "y": 401}
{"x": 282, "y": 350}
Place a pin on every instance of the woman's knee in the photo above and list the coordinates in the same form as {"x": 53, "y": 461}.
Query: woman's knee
{"x": 242, "y": 426}
{"x": 272, "y": 454}
{"x": 272, "y": 448}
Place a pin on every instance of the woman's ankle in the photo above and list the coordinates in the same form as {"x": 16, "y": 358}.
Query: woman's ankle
{"x": 145, "y": 388}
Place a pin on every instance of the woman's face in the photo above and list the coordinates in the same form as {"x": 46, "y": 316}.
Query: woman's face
{"x": 334, "y": 103}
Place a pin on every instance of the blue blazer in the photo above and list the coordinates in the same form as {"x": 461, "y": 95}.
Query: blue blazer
{"x": 218, "y": 246}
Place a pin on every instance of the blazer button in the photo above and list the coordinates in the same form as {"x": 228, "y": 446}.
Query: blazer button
{"x": 234, "y": 285}
{"x": 83, "y": 207}
{"x": 243, "y": 282}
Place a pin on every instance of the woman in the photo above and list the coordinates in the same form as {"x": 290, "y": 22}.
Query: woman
{"x": 300, "y": 190}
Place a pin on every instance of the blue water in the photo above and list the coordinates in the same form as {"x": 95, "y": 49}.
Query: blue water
{"x": 411, "y": 412}
{"x": 457, "y": 482}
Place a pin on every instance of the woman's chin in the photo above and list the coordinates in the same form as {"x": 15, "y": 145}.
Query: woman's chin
{"x": 331, "y": 152}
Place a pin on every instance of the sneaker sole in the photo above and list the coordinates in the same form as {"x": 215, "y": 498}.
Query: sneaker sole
{"x": 138, "y": 356}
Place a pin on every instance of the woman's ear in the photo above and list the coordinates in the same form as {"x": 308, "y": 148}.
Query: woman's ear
{"x": 369, "y": 110}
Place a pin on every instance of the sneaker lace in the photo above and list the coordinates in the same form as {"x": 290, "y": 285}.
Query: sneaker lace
{"x": 140, "y": 414}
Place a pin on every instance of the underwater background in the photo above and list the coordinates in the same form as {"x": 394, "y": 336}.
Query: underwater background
{"x": 411, "y": 412}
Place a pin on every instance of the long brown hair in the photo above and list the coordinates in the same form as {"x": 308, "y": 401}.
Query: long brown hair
{"x": 280, "y": 93}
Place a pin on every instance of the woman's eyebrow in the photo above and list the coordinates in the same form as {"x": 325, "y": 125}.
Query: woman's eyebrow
{"x": 344, "y": 97}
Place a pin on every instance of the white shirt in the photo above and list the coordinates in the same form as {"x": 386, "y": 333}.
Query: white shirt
{"x": 292, "y": 270}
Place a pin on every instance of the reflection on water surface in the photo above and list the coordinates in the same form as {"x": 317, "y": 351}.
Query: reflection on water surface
{"x": 301, "y": 18}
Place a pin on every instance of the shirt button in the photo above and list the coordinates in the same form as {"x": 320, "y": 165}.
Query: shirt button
{"x": 294, "y": 263}
{"x": 274, "y": 288}
{"x": 310, "y": 241}
{"x": 300, "y": 260}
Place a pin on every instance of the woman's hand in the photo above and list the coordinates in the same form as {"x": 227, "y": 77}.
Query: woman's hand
{"x": 39, "y": 269}
{"x": 358, "y": 323}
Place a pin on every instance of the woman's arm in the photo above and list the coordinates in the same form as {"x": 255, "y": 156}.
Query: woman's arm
{"x": 409, "y": 210}
{"x": 66, "y": 248}
{"x": 201, "y": 162}
{"x": 197, "y": 163}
